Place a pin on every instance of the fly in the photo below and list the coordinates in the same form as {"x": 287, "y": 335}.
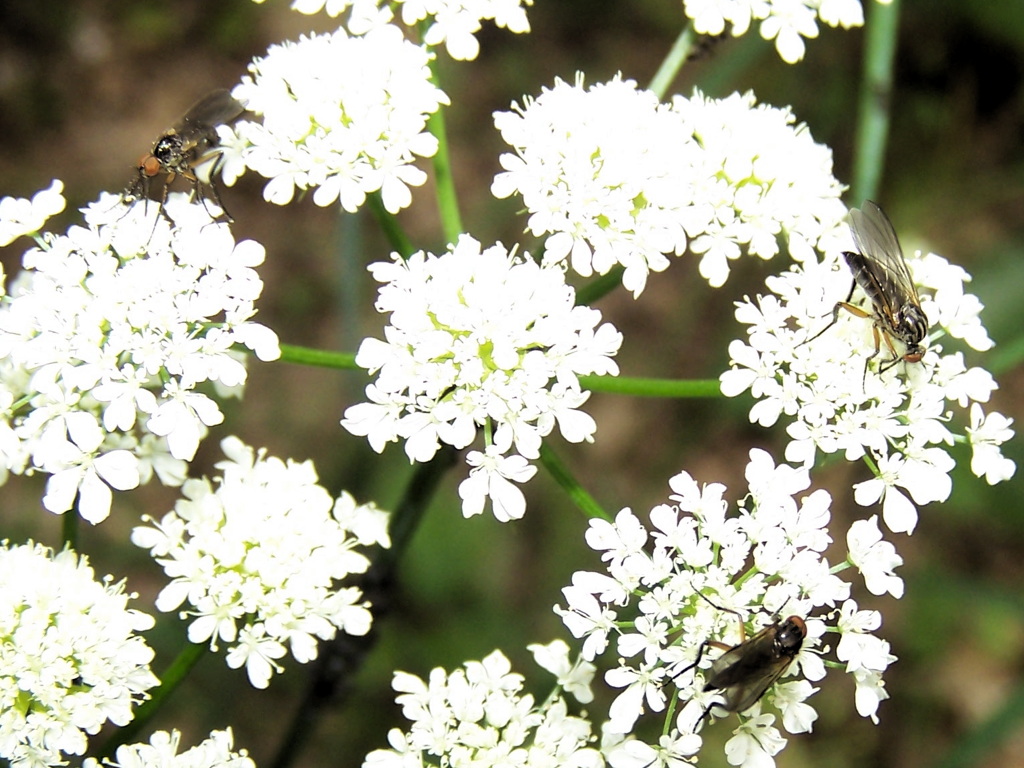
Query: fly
{"x": 190, "y": 143}
{"x": 744, "y": 672}
{"x": 880, "y": 270}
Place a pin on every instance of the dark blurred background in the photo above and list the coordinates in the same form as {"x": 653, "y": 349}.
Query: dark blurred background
{"x": 86, "y": 87}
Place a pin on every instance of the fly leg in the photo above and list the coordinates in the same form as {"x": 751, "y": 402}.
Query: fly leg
{"x": 856, "y": 311}
{"x": 896, "y": 357}
{"x": 197, "y": 184}
{"x": 700, "y": 655}
{"x": 714, "y": 644}
{"x": 835, "y": 315}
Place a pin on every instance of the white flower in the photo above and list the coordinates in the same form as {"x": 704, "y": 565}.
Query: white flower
{"x": 574, "y": 677}
{"x": 788, "y": 24}
{"x": 491, "y": 477}
{"x": 162, "y": 750}
{"x": 898, "y": 511}
{"x": 364, "y": 11}
{"x": 257, "y": 653}
{"x": 456, "y": 22}
{"x": 924, "y": 480}
{"x": 19, "y": 216}
{"x": 797, "y": 716}
{"x": 182, "y": 419}
{"x": 344, "y": 115}
{"x": 820, "y": 379}
{"x": 89, "y": 478}
{"x": 671, "y": 751}
{"x": 699, "y": 578}
{"x": 613, "y": 177}
{"x": 785, "y": 21}
{"x": 986, "y": 433}
{"x": 106, "y": 335}
{"x": 586, "y": 617}
{"x": 642, "y": 686}
{"x": 480, "y": 339}
{"x": 71, "y": 657}
{"x": 874, "y": 558}
{"x": 478, "y": 715}
{"x": 257, "y": 557}
{"x": 451, "y": 22}
{"x": 866, "y": 656}
{"x": 755, "y": 743}
{"x": 870, "y": 693}
{"x": 857, "y": 648}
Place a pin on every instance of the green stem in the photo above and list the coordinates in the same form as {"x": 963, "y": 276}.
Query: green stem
{"x": 673, "y": 62}
{"x": 870, "y": 461}
{"x": 624, "y": 385}
{"x": 875, "y": 99}
{"x": 320, "y": 358}
{"x": 599, "y": 287}
{"x": 69, "y": 529}
{"x": 447, "y": 200}
{"x": 169, "y": 681}
{"x": 586, "y": 503}
{"x": 400, "y": 242}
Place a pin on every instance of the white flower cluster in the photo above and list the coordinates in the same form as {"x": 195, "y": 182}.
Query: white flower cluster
{"x": 162, "y": 750}
{"x": 344, "y": 115}
{"x": 105, "y": 338}
{"x": 787, "y": 22}
{"x": 900, "y": 421}
{"x": 672, "y": 586}
{"x": 256, "y": 558}
{"x": 605, "y": 172}
{"x": 20, "y": 216}
{"x": 70, "y": 655}
{"x": 480, "y": 339}
{"x": 478, "y": 716}
{"x": 765, "y": 177}
{"x": 452, "y": 22}
{"x": 456, "y": 22}
{"x": 611, "y": 176}
{"x": 365, "y": 14}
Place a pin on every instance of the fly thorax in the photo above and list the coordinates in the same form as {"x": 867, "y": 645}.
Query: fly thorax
{"x": 911, "y": 324}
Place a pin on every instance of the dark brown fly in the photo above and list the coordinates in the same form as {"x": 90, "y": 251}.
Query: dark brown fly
{"x": 744, "y": 672}
{"x": 190, "y": 143}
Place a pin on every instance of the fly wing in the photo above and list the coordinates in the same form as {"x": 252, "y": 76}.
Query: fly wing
{"x": 199, "y": 125}
{"x": 745, "y": 672}
{"x": 742, "y": 696}
{"x": 876, "y": 241}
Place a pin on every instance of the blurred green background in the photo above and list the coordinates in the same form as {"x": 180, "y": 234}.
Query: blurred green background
{"x": 86, "y": 87}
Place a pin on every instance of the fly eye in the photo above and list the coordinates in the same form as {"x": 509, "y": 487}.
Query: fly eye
{"x": 149, "y": 165}
{"x": 167, "y": 149}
